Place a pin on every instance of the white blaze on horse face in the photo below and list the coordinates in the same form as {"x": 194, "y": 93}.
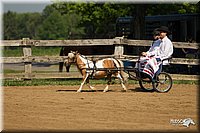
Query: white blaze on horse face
{"x": 71, "y": 55}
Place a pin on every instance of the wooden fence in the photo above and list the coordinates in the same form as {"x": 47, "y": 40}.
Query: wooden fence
{"x": 118, "y": 44}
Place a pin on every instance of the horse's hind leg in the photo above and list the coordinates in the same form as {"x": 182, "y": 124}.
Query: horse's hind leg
{"x": 108, "y": 83}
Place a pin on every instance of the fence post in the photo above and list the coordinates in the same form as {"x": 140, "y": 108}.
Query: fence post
{"x": 119, "y": 48}
{"x": 27, "y": 53}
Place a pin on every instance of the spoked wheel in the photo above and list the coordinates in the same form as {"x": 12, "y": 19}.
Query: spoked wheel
{"x": 146, "y": 85}
{"x": 146, "y": 82}
{"x": 163, "y": 82}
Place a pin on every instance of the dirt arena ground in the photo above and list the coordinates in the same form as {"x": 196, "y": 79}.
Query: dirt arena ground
{"x": 60, "y": 108}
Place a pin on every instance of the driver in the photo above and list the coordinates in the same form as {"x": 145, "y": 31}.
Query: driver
{"x": 162, "y": 47}
{"x": 154, "y": 49}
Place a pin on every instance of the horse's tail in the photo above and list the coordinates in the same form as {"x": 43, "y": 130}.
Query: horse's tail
{"x": 61, "y": 63}
{"x": 122, "y": 73}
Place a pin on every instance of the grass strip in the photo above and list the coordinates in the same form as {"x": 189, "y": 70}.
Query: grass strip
{"x": 71, "y": 82}
{"x": 36, "y": 51}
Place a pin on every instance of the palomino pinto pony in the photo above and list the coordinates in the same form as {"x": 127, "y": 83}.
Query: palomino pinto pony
{"x": 90, "y": 68}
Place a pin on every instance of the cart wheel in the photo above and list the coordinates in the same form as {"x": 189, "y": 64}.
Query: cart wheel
{"x": 163, "y": 82}
{"x": 146, "y": 85}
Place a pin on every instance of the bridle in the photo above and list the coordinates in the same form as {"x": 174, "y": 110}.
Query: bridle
{"x": 71, "y": 59}
{"x": 74, "y": 59}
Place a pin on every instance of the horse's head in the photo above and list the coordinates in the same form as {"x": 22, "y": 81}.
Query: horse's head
{"x": 71, "y": 57}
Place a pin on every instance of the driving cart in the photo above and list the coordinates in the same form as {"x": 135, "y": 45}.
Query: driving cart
{"x": 160, "y": 82}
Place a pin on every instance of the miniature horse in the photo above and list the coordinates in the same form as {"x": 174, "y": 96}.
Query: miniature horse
{"x": 90, "y": 68}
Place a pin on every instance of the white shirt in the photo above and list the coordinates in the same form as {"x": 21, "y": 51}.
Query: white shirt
{"x": 166, "y": 49}
{"x": 162, "y": 49}
{"x": 154, "y": 49}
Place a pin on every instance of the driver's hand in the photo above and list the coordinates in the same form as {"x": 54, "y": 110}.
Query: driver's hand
{"x": 144, "y": 53}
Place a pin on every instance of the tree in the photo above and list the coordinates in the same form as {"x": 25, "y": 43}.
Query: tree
{"x": 73, "y": 27}
{"x": 139, "y": 22}
{"x": 20, "y": 25}
{"x": 59, "y": 26}
{"x": 96, "y": 18}
{"x": 52, "y": 27}
{"x": 10, "y": 25}
{"x": 164, "y": 9}
{"x": 27, "y": 24}
{"x": 66, "y": 20}
{"x": 33, "y": 23}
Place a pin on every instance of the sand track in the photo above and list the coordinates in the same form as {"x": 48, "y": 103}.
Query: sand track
{"x": 58, "y": 108}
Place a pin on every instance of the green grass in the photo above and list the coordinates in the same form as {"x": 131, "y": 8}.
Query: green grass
{"x": 46, "y": 51}
{"x": 10, "y": 71}
{"x": 38, "y": 82}
{"x": 36, "y": 51}
{"x": 70, "y": 82}
{"x": 12, "y": 52}
{"x": 5, "y": 71}
{"x": 196, "y": 82}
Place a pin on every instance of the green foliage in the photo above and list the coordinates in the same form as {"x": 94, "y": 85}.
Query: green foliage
{"x": 17, "y": 26}
{"x": 164, "y": 9}
{"x": 53, "y": 27}
{"x": 187, "y": 8}
{"x": 51, "y": 24}
{"x": 67, "y": 20}
{"x": 10, "y": 25}
{"x": 96, "y": 18}
{"x": 56, "y": 25}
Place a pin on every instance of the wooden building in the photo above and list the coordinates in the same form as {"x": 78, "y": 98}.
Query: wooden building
{"x": 183, "y": 27}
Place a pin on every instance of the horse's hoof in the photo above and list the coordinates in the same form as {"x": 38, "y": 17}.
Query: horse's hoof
{"x": 93, "y": 89}
{"x": 105, "y": 90}
{"x": 78, "y": 91}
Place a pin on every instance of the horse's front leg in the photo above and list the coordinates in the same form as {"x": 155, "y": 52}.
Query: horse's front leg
{"x": 67, "y": 67}
{"x": 84, "y": 79}
{"x": 88, "y": 83}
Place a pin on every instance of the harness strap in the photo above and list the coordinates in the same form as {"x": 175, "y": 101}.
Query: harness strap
{"x": 119, "y": 66}
{"x": 94, "y": 69}
{"x": 115, "y": 65}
